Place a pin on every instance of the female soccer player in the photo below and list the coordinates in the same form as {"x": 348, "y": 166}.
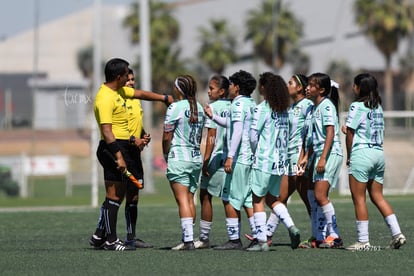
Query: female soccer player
{"x": 327, "y": 148}
{"x": 237, "y": 193}
{"x": 269, "y": 136}
{"x": 213, "y": 175}
{"x": 365, "y": 158}
{"x": 181, "y": 140}
{"x": 298, "y": 112}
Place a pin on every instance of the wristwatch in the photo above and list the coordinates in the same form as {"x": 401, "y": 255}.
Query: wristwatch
{"x": 132, "y": 140}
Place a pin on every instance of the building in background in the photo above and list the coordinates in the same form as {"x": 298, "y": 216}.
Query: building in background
{"x": 333, "y": 36}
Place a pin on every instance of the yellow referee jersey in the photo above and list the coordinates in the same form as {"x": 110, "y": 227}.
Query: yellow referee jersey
{"x": 110, "y": 108}
{"x": 135, "y": 117}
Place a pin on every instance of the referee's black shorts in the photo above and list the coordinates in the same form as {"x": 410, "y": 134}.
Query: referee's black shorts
{"x": 135, "y": 167}
{"x": 106, "y": 159}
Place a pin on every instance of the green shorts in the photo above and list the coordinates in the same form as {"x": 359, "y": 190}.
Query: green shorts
{"x": 332, "y": 169}
{"x": 367, "y": 164}
{"x": 214, "y": 182}
{"x": 185, "y": 173}
{"x": 237, "y": 190}
{"x": 291, "y": 169}
{"x": 263, "y": 183}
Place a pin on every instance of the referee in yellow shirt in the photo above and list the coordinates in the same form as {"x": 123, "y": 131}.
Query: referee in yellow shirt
{"x": 138, "y": 140}
{"x": 112, "y": 118}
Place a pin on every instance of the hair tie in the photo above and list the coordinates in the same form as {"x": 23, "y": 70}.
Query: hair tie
{"x": 334, "y": 84}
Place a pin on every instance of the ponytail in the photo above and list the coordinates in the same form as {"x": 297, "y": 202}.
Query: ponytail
{"x": 187, "y": 86}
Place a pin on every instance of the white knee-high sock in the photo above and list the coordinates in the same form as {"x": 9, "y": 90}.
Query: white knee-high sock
{"x": 205, "y": 227}
{"x": 321, "y": 224}
{"x": 329, "y": 212}
{"x": 362, "y": 230}
{"x": 187, "y": 229}
{"x": 252, "y": 226}
{"x": 260, "y": 222}
{"x": 282, "y": 212}
{"x": 393, "y": 224}
{"x": 272, "y": 224}
{"x": 233, "y": 228}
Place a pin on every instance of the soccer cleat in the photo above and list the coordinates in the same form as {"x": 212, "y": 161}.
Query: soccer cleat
{"x": 397, "y": 241}
{"x": 331, "y": 242}
{"x": 179, "y": 246}
{"x": 258, "y": 247}
{"x": 138, "y": 243}
{"x": 117, "y": 245}
{"x": 269, "y": 241}
{"x": 309, "y": 243}
{"x": 184, "y": 246}
{"x": 97, "y": 242}
{"x": 252, "y": 243}
{"x": 359, "y": 246}
{"x": 294, "y": 235}
{"x": 202, "y": 244}
{"x": 188, "y": 246}
{"x": 230, "y": 245}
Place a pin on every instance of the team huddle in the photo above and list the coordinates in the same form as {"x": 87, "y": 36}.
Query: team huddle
{"x": 255, "y": 155}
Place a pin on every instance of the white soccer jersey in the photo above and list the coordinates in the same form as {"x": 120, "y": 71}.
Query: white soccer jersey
{"x": 185, "y": 145}
{"x": 241, "y": 110}
{"x": 273, "y": 135}
{"x": 368, "y": 125}
{"x": 220, "y": 108}
{"x": 325, "y": 115}
{"x": 297, "y": 129}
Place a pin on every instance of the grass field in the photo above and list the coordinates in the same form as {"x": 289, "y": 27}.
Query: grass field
{"x": 54, "y": 240}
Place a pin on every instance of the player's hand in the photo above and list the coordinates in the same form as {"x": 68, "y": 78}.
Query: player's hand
{"x": 170, "y": 100}
{"x": 147, "y": 138}
{"x": 121, "y": 165}
{"x": 204, "y": 170}
{"x": 343, "y": 129}
{"x": 320, "y": 167}
{"x": 301, "y": 166}
{"x": 208, "y": 111}
{"x": 300, "y": 170}
{"x": 228, "y": 165}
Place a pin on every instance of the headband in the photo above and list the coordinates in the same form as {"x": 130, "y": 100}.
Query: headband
{"x": 298, "y": 79}
{"x": 178, "y": 87}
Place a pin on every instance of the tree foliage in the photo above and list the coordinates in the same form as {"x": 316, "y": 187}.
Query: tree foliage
{"x": 273, "y": 19}
{"x": 218, "y": 46}
{"x": 164, "y": 32}
{"x": 386, "y": 23}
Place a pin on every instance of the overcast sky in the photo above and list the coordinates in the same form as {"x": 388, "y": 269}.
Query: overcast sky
{"x": 19, "y": 15}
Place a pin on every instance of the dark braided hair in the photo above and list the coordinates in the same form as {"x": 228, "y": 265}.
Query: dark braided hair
{"x": 188, "y": 88}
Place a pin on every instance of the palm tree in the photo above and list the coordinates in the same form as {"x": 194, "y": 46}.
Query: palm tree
{"x": 164, "y": 32}
{"x": 386, "y": 22}
{"x": 217, "y": 46}
{"x": 407, "y": 73}
{"x": 84, "y": 58}
{"x": 262, "y": 31}
{"x": 300, "y": 61}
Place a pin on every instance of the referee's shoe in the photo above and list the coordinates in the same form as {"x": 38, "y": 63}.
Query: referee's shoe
{"x": 117, "y": 245}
